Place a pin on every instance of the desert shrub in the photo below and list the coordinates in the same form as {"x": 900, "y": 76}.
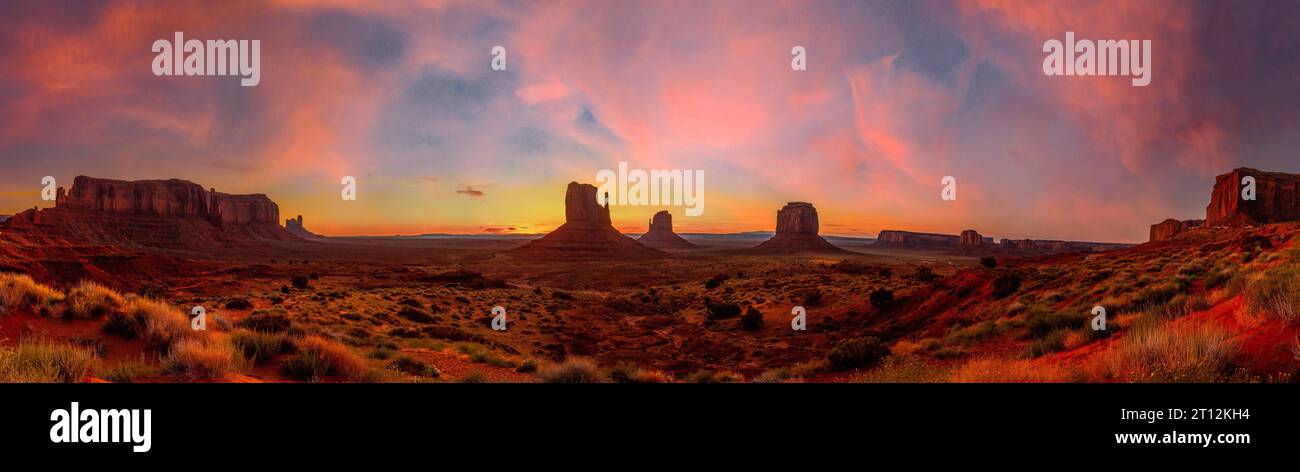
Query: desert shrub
{"x": 903, "y": 369}
{"x": 812, "y": 297}
{"x": 413, "y": 366}
{"x": 91, "y": 300}
{"x": 474, "y": 377}
{"x": 712, "y": 376}
{"x": 265, "y": 321}
{"x": 1277, "y": 293}
{"x": 885, "y": 272}
{"x": 40, "y": 360}
{"x": 856, "y": 352}
{"x": 777, "y": 375}
{"x": 261, "y": 346}
{"x": 970, "y": 334}
{"x": 300, "y": 282}
{"x": 753, "y": 320}
{"x": 527, "y": 366}
{"x": 1040, "y": 321}
{"x": 1217, "y": 278}
{"x": 989, "y": 261}
{"x": 1051, "y": 342}
{"x": 239, "y": 304}
{"x": 721, "y": 310}
{"x": 157, "y": 323}
{"x": 715, "y": 281}
{"x": 1166, "y": 353}
{"x": 318, "y": 358}
{"x": 204, "y": 358}
{"x": 572, "y": 370}
{"x": 924, "y": 275}
{"x": 19, "y": 291}
{"x": 416, "y": 315}
{"x": 881, "y": 297}
{"x": 126, "y": 372}
{"x": 1005, "y": 284}
{"x": 629, "y": 373}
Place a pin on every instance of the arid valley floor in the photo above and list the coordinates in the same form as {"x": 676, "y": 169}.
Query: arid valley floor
{"x": 1203, "y": 307}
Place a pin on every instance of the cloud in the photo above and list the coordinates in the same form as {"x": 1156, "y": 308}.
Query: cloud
{"x": 470, "y": 192}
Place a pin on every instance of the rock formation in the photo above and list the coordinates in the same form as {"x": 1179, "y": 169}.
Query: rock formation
{"x": 160, "y": 213}
{"x": 661, "y": 235}
{"x": 1169, "y": 228}
{"x": 294, "y": 226}
{"x": 910, "y": 240}
{"x": 1277, "y": 199}
{"x": 796, "y": 230}
{"x": 971, "y": 240}
{"x": 586, "y": 231}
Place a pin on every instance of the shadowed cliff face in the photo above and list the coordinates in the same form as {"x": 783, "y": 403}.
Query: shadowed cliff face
{"x": 796, "y": 230}
{"x": 167, "y": 198}
{"x": 1277, "y": 199}
{"x": 661, "y": 235}
{"x": 157, "y": 213}
{"x": 580, "y": 205}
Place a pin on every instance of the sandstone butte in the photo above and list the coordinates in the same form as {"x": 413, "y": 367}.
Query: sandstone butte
{"x": 661, "y": 235}
{"x": 797, "y": 230}
{"x": 586, "y": 231}
{"x": 1277, "y": 199}
{"x": 165, "y": 213}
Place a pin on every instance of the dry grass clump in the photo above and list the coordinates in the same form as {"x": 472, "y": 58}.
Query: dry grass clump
{"x": 1167, "y": 353}
{"x": 91, "y": 300}
{"x": 629, "y": 373}
{"x": 1009, "y": 371}
{"x": 1276, "y": 293}
{"x": 572, "y": 370}
{"x": 261, "y": 346}
{"x": 18, "y": 291}
{"x": 45, "y": 361}
{"x": 318, "y": 358}
{"x": 208, "y": 358}
{"x": 157, "y": 323}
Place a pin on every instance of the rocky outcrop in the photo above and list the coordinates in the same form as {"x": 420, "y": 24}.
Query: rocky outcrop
{"x": 971, "y": 241}
{"x": 1167, "y": 229}
{"x": 159, "y": 213}
{"x": 295, "y": 227}
{"x": 4, "y": 218}
{"x": 1277, "y": 199}
{"x": 796, "y": 230}
{"x": 661, "y": 235}
{"x": 586, "y": 231}
{"x": 911, "y": 240}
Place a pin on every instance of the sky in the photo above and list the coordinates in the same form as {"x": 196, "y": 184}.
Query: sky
{"x": 896, "y": 96}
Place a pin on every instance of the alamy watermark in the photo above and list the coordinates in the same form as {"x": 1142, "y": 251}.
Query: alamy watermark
{"x": 241, "y": 58}
{"x": 674, "y": 187}
{"x": 1102, "y": 57}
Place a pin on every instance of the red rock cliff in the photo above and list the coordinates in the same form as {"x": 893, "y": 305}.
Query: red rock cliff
{"x": 167, "y": 198}
{"x": 1169, "y": 228}
{"x": 1277, "y": 199}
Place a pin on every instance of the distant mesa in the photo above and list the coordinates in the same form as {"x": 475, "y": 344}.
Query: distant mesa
{"x": 797, "y": 230}
{"x": 661, "y": 235}
{"x": 1167, "y": 229}
{"x": 161, "y": 213}
{"x": 1277, "y": 200}
{"x": 586, "y": 231}
{"x": 295, "y": 227}
{"x": 4, "y": 218}
{"x": 972, "y": 242}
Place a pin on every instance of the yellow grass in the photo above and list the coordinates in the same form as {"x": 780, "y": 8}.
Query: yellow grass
{"x": 207, "y": 358}
{"x": 1007, "y": 370}
{"x": 1167, "y": 353}
{"x": 19, "y": 291}
{"x": 45, "y": 361}
{"x": 91, "y": 300}
{"x": 334, "y": 358}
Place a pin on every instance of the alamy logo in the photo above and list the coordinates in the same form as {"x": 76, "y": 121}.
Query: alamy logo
{"x": 656, "y": 187}
{"x": 215, "y": 57}
{"x": 1103, "y": 57}
{"x": 101, "y": 426}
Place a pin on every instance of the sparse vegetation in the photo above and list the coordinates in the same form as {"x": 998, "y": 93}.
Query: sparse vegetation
{"x": 40, "y": 360}
{"x": 1276, "y": 293}
{"x": 91, "y": 300}
{"x": 202, "y": 358}
{"x": 318, "y": 358}
{"x": 261, "y": 346}
{"x": 856, "y": 352}
{"x": 572, "y": 370}
{"x": 19, "y": 291}
{"x": 1167, "y": 353}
